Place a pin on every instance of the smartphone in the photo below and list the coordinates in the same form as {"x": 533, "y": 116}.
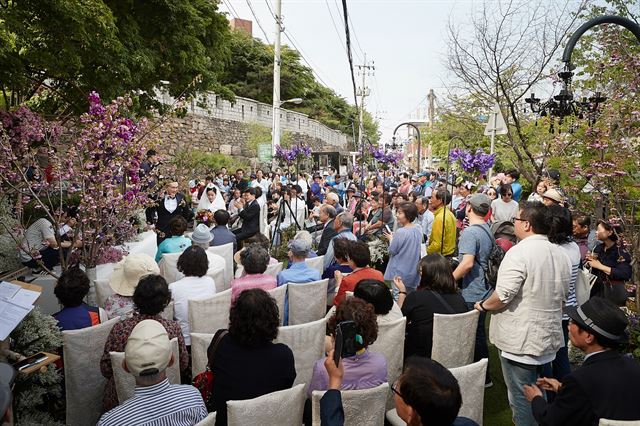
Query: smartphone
{"x": 345, "y": 341}
{"x": 31, "y": 361}
{"x": 388, "y": 229}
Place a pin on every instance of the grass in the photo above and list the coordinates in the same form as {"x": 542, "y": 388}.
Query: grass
{"x": 496, "y": 405}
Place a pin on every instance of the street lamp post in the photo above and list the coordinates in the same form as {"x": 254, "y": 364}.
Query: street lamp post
{"x": 419, "y": 142}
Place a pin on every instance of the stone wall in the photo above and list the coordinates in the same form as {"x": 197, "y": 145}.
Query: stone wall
{"x": 227, "y": 137}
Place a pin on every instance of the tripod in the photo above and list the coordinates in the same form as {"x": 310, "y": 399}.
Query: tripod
{"x": 281, "y": 213}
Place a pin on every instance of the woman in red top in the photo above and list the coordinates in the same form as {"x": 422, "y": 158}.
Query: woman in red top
{"x": 359, "y": 258}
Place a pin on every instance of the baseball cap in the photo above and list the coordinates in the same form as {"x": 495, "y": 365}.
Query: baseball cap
{"x": 480, "y": 202}
{"x": 299, "y": 246}
{"x": 148, "y": 349}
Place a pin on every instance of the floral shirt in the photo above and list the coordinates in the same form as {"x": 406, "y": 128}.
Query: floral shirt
{"x": 117, "y": 306}
{"x": 116, "y": 342}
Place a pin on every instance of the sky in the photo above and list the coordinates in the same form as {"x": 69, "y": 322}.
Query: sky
{"x": 404, "y": 39}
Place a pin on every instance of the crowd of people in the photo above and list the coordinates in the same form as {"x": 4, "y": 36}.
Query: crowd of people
{"x": 443, "y": 234}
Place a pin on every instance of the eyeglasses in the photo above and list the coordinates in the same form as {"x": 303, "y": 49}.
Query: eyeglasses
{"x": 514, "y": 219}
{"x": 394, "y": 388}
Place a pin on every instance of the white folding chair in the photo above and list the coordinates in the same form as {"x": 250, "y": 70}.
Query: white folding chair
{"x": 316, "y": 263}
{"x": 284, "y": 407}
{"x": 454, "y": 338}
{"x": 361, "y": 407}
{"x": 210, "y": 314}
{"x": 219, "y": 280}
{"x": 210, "y": 420}
{"x": 306, "y": 341}
{"x": 199, "y": 344}
{"x": 471, "y": 379}
{"x": 307, "y": 302}
{"x": 103, "y": 291}
{"x": 169, "y": 267}
{"x": 84, "y": 383}
{"x": 226, "y": 251}
{"x": 126, "y": 383}
{"x": 279, "y": 294}
{"x": 390, "y": 343}
{"x": 274, "y": 269}
{"x": 167, "y": 313}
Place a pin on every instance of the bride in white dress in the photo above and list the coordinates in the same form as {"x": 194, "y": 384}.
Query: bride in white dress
{"x": 212, "y": 199}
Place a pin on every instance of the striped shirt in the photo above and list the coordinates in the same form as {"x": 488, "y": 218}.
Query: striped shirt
{"x": 161, "y": 404}
{"x": 573, "y": 251}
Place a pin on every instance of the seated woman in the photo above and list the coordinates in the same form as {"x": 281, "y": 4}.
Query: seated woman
{"x": 340, "y": 249}
{"x": 193, "y": 263}
{"x": 176, "y": 242}
{"x": 364, "y": 370}
{"x": 379, "y": 296}
{"x": 437, "y": 294}
{"x": 124, "y": 280}
{"x": 150, "y": 298}
{"x": 359, "y": 258}
{"x": 246, "y": 363}
{"x": 71, "y": 288}
{"x": 263, "y": 242}
{"x": 255, "y": 260}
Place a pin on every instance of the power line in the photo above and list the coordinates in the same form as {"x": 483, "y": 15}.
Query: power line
{"x": 302, "y": 56}
{"x": 231, "y": 9}
{"x": 270, "y": 10}
{"x": 348, "y": 39}
{"x": 334, "y": 25}
{"x": 258, "y": 21}
{"x": 355, "y": 36}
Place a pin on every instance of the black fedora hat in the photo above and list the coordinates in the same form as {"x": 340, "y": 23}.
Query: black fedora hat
{"x": 601, "y": 317}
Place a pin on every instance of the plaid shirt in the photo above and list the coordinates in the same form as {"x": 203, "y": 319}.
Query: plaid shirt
{"x": 116, "y": 342}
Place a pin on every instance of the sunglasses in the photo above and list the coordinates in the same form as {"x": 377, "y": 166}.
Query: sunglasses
{"x": 394, "y": 389}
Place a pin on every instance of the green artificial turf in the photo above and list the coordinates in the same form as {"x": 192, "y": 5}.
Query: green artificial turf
{"x": 496, "y": 404}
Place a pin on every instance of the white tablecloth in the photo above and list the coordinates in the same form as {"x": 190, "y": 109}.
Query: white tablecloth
{"x": 146, "y": 244}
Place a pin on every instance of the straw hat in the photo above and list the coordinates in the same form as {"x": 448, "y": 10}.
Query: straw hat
{"x": 128, "y": 272}
{"x": 553, "y": 194}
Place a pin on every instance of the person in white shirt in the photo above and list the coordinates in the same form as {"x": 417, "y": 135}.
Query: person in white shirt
{"x": 504, "y": 208}
{"x": 304, "y": 187}
{"x": 526, "y": 306}
{"x": 193, "y": 263}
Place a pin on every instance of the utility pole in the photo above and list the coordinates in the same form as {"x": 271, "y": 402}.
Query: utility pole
{"x": 275, "y": 131}
{"x": 432, "y": 113}
{"x": 363, "y": 92}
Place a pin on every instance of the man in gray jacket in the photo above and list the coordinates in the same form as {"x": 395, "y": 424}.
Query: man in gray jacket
{"x": 526, "y": 306}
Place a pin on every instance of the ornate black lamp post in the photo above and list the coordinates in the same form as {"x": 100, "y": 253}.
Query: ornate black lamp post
{"x": 563, "y": 104}
{"x": 419, "y": 143}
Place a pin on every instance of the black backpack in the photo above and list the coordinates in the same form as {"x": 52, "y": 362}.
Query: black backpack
{"x": 493, "y": 263}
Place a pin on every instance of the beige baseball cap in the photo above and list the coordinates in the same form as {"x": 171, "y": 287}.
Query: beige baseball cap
{"x": 148, "y": 349}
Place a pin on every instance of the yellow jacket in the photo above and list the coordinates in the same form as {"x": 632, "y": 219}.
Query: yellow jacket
{"x": 435, "y": 240}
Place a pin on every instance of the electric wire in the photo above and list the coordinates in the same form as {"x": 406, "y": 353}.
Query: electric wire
{"x": 257, "y": 21}
{"x": 231, "y": 9}
{"x": 335, "y": 26}
{"x": 349, "y": 55}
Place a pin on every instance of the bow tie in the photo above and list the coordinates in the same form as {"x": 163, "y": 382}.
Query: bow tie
{"x": 170, "y": 197}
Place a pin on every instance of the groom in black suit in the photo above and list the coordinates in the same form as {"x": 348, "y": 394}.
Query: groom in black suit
{"x": 607, "y": 385}
{"x": 171, "y": 204}
{"x": 250, "y": 215}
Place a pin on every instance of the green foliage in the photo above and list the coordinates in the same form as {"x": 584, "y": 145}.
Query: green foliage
{"x": 257, "y": 134}
{"x": 281, "y": 251}
{"x": 54, "y": 53}
{"x": 250, "y": 74}
{"x": 189, "y": 164}
{"x": 38, "y": 396}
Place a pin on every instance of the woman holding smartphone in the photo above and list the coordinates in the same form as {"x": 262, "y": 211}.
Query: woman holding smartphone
{"x": 404, "y": 248}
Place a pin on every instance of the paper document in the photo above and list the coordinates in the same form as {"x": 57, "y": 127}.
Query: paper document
{"x": 10, "y": 316}
{"x": 8, "y": 290}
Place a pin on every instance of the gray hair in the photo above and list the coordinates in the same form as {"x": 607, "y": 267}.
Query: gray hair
{"x": 346, "y": 219}
{"x": 255, "y": 259}
{"x": 329, "y": 211}
{"x": 204, "y": 246}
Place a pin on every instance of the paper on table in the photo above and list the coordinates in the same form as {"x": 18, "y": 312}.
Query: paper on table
{"x": 10, "y": 316}
{"x": 8, "y": 290}
{"x": 25, "y": 298}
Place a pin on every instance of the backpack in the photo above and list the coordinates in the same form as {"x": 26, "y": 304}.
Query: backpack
{"x": 493, "y": 263}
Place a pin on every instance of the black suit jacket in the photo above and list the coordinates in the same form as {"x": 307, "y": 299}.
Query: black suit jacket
{"x": 164, "y": 216}
{"x": 606, "y": 386}
{"x": 327, "y": 234}
{"x": 250, "y": 216}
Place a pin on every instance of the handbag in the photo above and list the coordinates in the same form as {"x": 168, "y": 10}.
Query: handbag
{"x": 616, "y": 291}
{"x": 584, "y": 282}
{"x": 204, "y": 381}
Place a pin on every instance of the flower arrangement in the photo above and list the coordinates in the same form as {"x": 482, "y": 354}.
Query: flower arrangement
{"x": 478, "y": 162}
{"x": 204, "y": 216}
{"x": 291, "y": 155}
{"x": 391, "y": 158}
{"x": 379, "y": 250}
{"x": 633, "y": 332}
{"x": 111, "y": 255}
